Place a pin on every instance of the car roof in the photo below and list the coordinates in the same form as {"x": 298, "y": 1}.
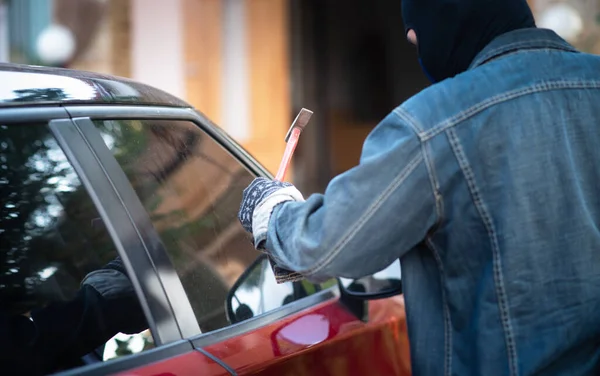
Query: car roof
{"x": 27, "y": 85}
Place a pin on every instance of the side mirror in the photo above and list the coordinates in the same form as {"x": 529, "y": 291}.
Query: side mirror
{"x": 384, "y": 284}
{"x": 257, "y": 292}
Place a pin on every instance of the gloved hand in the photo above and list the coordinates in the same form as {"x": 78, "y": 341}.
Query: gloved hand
{"x": 258, "y": 202}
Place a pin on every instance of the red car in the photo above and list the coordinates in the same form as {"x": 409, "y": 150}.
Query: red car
{"x": 96, "y": 167}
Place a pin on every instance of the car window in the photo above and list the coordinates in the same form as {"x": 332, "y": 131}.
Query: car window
{"x": 56, "y": 308}
{"x": 191, "y": 187}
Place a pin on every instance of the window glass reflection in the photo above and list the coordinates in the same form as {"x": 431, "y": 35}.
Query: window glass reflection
{"x": 58, "y": 264}
{"x": 192, "y": 187}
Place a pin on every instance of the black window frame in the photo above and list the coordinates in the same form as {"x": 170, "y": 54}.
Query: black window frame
{"x": 86, "y": 114}
{"x": 170, "y": 342}
{"x": 175, "y": 330}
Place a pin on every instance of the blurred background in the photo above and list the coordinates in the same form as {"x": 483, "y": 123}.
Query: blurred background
{"x": 251, "y": 65}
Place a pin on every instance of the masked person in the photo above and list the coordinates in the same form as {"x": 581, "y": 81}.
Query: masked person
{"x": 55, "y": 337}
{"x": 485, "y": 186}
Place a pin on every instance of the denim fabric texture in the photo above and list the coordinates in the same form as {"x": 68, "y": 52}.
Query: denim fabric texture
{"x": 486, "y": 187}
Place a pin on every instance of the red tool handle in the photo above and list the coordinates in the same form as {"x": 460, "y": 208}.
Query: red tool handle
{"x": 289, "y": 152}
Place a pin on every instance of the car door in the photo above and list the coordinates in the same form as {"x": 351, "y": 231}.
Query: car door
{"x": 62, "y": 219}
{"x": 188, "y": 176}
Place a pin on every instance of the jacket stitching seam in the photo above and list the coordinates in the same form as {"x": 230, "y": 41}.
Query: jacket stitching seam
{"x": 497, "y": 263}
{"x": 353, "y": 230}
{"x": 447, "y": 322}
{"x": 536, "y": 44}
{"x": 514, "y": 52}
{"x": 484, "y": 105}
{"x": 435, "y": 188}
{"x": 408, "y": 118}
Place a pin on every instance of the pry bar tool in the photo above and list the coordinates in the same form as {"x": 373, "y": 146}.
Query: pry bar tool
{"x": 292, "y": 141}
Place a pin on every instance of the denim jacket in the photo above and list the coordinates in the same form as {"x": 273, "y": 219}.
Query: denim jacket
{"x": 486, "y": 187}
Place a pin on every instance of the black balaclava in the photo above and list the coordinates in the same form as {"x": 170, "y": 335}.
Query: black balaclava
{"x": 450, "y": 33}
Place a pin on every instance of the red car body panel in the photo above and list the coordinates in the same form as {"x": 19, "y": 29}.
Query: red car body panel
{"x": 324, "y": 340}
{"x": 191, "y": 364}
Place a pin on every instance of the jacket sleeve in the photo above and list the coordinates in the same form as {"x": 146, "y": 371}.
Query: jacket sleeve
{"x": 367, "y": 218}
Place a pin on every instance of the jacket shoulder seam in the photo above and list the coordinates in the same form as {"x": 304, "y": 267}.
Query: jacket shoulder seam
{"x": 433, "y": 180}
{"x": 504, "y": 97}
{"x": 411, "y": 121}
{"x": 371, "y": 210}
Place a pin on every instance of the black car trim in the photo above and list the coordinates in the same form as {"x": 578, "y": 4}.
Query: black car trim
{"x": 170, "y": 113}
{"x": 119, "y": 224}
{"x": 216, "y": 360}
{"x": 265, "y": 319}
{"x": 111, "y": 112}
{"x": 32, "y": 114}
{"x": 131, "y": 362}
{"x": 154, "y": 256}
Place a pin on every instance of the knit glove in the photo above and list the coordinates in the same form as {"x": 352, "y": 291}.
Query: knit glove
{"x": 258, "y": 202}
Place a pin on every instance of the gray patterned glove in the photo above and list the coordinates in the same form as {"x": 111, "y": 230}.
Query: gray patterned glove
{"x": 258, "y": 202}
{"x": 254, "y": 195}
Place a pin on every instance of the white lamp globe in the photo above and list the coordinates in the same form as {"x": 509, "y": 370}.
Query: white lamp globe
{"x": 55, "y": 45}
{"x": 563, "y": 19}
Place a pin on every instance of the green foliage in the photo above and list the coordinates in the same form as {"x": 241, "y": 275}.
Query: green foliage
{"x": 37, "y": 95}
{"x": 45, "y": 221}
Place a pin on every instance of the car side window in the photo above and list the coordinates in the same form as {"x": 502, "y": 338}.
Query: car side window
{"x": 191, "y": 187}
{"x": 57, "y": 262}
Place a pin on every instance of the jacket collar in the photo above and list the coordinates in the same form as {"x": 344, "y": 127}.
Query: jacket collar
{"x": 524, "y": 39}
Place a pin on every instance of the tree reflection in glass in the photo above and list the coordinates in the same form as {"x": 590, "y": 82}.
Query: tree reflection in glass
{"x": 45, "y": 221}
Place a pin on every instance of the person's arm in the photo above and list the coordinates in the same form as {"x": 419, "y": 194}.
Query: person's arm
{"x": 368, "y": 217}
